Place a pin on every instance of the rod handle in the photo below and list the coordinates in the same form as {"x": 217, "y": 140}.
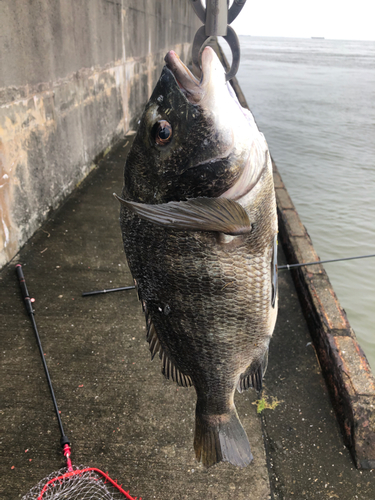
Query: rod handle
{"x": 24, "y": 290}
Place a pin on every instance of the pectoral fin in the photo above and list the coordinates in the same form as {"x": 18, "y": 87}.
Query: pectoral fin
{"x": 198, "y": 214}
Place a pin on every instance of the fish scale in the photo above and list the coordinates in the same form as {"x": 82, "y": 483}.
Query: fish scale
{"x": 206, "y": 293}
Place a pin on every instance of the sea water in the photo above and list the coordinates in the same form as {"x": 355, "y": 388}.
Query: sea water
{"x": 314, "y": 100}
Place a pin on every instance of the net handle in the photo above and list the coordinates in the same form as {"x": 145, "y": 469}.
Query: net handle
{"x": 64, "y": 441}
{"x": 81, "y": 471}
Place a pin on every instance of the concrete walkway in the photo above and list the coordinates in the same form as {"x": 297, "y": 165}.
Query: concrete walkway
{"x": 119, "y": 412}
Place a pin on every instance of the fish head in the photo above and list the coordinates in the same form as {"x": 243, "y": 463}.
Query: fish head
{"x": 193, "y": 139}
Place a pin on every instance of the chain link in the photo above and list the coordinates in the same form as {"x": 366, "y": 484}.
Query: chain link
{"x": 216, "y": 18}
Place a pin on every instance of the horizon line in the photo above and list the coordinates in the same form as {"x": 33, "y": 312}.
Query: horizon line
{"x": 309, "y": 37}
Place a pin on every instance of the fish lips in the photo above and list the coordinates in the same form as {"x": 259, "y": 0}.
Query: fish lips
{"x": 213, "y": 76}
{"x": 188, "y": 84}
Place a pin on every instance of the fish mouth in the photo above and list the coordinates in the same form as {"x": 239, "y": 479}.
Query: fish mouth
{"x": 193, "y": 89}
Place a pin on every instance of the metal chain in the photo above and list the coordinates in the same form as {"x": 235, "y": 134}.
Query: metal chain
{"x": 216, "y": 18}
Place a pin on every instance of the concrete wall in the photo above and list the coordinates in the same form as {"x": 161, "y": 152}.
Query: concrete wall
{"x": 74, "y": 76}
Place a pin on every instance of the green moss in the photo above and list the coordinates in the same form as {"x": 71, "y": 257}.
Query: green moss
{"x": 265, "y": 404}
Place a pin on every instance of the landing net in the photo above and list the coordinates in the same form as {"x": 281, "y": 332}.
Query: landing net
{"x": 80, "y": 483}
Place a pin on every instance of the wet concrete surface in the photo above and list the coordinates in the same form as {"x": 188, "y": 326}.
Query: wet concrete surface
{"x": 307, "y": 456}
{"x": 119, "y": 412}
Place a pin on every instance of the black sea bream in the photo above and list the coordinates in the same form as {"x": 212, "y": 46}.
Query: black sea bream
{"x": 199, "y": 226}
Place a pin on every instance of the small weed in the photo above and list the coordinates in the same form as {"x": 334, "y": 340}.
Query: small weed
{"x": 264, "y": 404}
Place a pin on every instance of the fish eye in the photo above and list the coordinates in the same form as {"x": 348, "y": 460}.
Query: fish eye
{"x": 163, "y": 133}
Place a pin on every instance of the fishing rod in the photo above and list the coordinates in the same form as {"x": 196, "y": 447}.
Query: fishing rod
{"x": 118, "y": 289}
{"x": 293, "y": 266}
{"x": 286, "y": 266}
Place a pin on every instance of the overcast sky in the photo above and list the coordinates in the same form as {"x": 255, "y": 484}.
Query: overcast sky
{"x": 337, "y": 19}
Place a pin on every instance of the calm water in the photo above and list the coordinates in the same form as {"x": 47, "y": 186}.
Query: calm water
{"x": 314, "y": 100}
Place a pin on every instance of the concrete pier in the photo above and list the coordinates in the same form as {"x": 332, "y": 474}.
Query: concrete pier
{"x": 313, "y": 431}
{"x": 119, "y": 412}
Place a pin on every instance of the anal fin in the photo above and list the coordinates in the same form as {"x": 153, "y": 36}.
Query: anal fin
{"x": 253, "y": 376}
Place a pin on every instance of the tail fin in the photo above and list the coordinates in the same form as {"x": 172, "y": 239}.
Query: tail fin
{"x": 221, "y": 438}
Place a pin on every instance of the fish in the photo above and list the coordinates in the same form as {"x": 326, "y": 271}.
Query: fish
{"x": 199, "y": 228}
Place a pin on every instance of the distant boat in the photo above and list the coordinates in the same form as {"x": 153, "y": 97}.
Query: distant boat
{"x": 317, "y": 37}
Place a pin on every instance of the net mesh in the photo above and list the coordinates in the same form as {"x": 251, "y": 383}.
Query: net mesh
{"x": 82, "y": 483}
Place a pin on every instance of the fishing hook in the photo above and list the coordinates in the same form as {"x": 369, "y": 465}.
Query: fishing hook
{"x": 216, "y": 18}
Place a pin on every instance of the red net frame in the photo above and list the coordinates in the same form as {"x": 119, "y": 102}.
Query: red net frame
{"x": 78, "y": 483}
{"x": 77, "y": 472}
